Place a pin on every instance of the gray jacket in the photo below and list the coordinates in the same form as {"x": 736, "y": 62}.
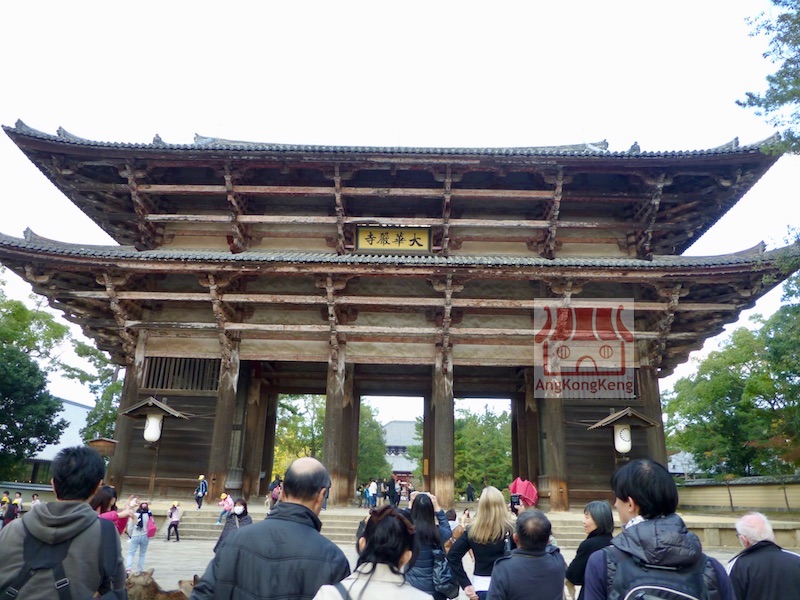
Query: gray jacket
{"x": 53, "y": 523}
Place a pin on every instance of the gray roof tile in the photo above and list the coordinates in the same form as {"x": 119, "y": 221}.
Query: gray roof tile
{"x": 203, "y": 143}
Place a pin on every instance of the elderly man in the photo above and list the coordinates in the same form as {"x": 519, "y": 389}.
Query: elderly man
{"x": 283, "y": 556}
{"x": 534, "y": 569}
{"x": 763, "y": 570}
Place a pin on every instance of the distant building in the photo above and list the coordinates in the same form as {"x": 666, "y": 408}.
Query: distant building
{"x": 683, "y": 464}
{"x": 399, "y": 436}
{"x": 38, "y": 467}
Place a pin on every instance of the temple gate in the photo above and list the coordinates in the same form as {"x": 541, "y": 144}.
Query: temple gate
{"x": 248, "y": 270}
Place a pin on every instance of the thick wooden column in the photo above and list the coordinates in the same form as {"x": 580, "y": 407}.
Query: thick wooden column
{"x": 355, "y": 426}
{"x": 555, "y": 462}
{"x": 647, "y": 382}
{"x": 123, "y": 429}
{"x": 254, "y": 430}
{"x": 218, "y": 461}
{"x": 270, "y": 400}
{"x": 443, "y": 429}
{"x": 338, "y": 416}
{"x": 428, "y": 447}
{"x": 531, "y": 409}
{"x": 519, "y": 441}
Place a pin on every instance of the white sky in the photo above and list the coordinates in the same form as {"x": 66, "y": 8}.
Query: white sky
{"x": 663, "y": 74}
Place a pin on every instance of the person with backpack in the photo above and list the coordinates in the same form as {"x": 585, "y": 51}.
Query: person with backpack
{"x": 201, "y": 491}
{"x": 275, "y": 488}
{"x": 655, "y": 551}
{"x": 64, "y": 541}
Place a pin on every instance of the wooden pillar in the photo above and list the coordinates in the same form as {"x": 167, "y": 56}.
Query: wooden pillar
{"x": 123, "y": 430}
{"x": 428, "y": 447}
{"x": 531, "y": 408}
{"x": 254, "y": 430}
{"x": 555, "y": 462}
{"x": 270, "y": 399}
{"x": 355, "y": 426}
{"x": 647, "y": 382}
{"x": 443, "y": 429}
{"x": 219, "y": 459}
{"x": 519, "y": 442}
{"x": 338, "y": 415}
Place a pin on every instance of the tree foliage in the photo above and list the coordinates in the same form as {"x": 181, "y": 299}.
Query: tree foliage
{"x": 300, "y": 424}
{"x": 780, "y": 103}
{"x": 371, "y": 447}
{"x": 482, "y": 446}
{"x": 300, "y": 432}
{"x": 104, "y": 383}
{"x": 739, "y": 414}
{"x": 28, "y": 417}
{"x": 32, "y": 330}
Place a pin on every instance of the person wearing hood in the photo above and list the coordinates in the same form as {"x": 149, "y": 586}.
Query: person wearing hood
{"x": 77, "y": 472}
{"x": 652, "y": 534}
{"x": 236, "y": 520}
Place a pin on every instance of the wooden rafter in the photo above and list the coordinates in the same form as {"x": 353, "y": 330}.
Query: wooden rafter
{"x": 341, "y": 210}
{"x": 121, "y": 316}
{"x": 143, "y": 207}
{"x": 238, "y": 238}
{"x": 221, "y": 315}
{"x": 548, "y": 247}
{"x": 446, "y": 210}
{"x": 646, "y": 217}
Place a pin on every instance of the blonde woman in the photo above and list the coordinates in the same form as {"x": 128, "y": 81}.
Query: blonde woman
{"x": 486, "y": 537}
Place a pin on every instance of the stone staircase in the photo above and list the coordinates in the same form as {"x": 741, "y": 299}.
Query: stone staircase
{"x": 340, "y": 525}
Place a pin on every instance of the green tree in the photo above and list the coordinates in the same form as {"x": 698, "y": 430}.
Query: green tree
{"x": 725, "y": 414}
{"x": 299, "y": 430}
{"x": 32, "y": 330}
{"x": 482, "y": 447}
{"x": 371, "y": 447}
{"x": 28, "y": 419}
{"x": 105, "y": 385}
{"x": 780, "y": 103}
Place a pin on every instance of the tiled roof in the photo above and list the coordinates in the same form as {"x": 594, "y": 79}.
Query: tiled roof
{"x": 401, "y": 433}
{"x": 33, "y": 244}
{"x": 211, "y": 144}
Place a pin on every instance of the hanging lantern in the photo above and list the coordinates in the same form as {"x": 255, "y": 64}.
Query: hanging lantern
{"x": 622, "y": 438}
{"x": 152, "y": 427}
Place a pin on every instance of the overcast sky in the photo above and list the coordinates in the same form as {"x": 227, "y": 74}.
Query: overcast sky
{"x": 663, "y": 74}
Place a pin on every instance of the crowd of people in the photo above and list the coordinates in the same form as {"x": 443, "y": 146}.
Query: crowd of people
{"x": 413, "y": 552}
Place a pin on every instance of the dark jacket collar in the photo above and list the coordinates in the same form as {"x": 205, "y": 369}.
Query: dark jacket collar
{"x": 289, "y": 511}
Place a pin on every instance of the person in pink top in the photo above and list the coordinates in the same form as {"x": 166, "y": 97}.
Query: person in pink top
{"x": 226, "y": 502}
{"x": 104, "y": 502}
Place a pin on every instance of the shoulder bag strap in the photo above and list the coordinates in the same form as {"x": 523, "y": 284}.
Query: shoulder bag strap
{"x": 345, "y": 594}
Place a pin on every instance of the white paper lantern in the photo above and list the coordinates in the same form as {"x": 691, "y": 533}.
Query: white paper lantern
{"x": 622, "y": 438}
{"x": 152, "y": 427}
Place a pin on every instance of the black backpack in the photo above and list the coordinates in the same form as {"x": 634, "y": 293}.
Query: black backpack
{"x": 629, "y": 578}
{"x": 40, "y": 556}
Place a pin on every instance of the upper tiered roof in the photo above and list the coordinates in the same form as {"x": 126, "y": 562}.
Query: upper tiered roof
{"x": 549, "y": 201}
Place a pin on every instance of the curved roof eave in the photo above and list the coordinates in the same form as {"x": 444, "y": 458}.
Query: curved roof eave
{"x": 33, "y": 248}
{"x": 210, "y": 145}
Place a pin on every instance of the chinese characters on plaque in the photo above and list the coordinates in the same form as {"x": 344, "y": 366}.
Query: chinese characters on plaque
{"x": 393, "y": 239}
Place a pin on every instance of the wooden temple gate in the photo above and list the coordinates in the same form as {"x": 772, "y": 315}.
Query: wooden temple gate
{"x": 246, "y": 270}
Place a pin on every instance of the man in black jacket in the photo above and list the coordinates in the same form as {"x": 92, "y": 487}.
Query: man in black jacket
{"x": 763, "y": 570}
{"x": 534, "y": 567}
{"x": 283, "y": 556}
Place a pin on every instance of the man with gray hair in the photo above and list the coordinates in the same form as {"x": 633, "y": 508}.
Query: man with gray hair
{"x": 763, "y": 570}
{"x": 535, "y": 569}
